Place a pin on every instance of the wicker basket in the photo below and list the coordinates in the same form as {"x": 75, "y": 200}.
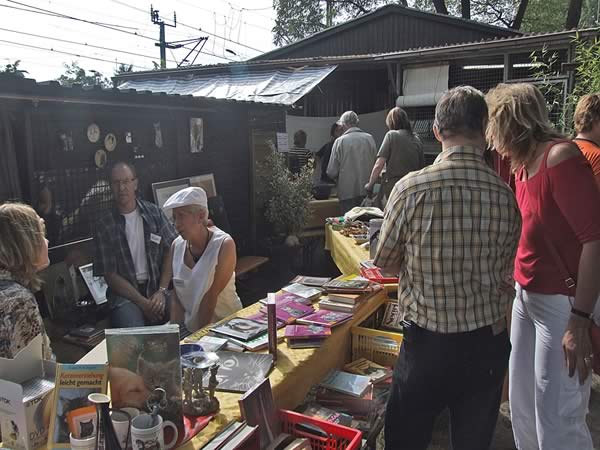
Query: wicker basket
{"x": 381, "y": 347}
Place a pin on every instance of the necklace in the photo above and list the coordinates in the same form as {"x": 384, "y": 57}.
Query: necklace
{"x": 189, "y": 247}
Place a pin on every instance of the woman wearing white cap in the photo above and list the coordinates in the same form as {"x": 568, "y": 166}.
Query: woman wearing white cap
{"x": 202, "y": 261}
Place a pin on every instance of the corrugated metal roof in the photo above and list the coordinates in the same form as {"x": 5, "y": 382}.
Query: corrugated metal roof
{"x": 283, "y": 86}
{"x": 396, "y": 27}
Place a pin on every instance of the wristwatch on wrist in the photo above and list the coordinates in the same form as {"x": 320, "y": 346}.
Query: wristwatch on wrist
{"x": 163, "y": 290}
{"x": 580, "y": 313}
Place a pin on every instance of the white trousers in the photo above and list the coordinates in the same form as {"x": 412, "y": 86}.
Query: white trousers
{"x": 548, "y": 407}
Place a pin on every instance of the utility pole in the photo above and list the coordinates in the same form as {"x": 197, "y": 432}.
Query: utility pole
{"x": 163, "y": 44}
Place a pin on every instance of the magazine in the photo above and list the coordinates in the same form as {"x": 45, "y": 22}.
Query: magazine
{"x": 72, "y": 411}
{"x": 141, "y": 360}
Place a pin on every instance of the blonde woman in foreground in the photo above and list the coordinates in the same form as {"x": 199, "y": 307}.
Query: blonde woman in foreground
{"x": 550, "y": 363}
{"x": 23, "y": 253}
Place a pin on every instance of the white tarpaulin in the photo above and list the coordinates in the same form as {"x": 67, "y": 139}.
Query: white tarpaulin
{"x": 423, "y": 86}
{"x": 283, "y": 86}
{"x": 317, "y": 128}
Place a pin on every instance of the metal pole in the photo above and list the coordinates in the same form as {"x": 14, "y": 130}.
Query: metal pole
{"x": 163, "y": 46}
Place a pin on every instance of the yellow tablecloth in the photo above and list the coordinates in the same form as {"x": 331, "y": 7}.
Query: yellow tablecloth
{"x": 295, "y": 372}
{"x": 346, "y": 255}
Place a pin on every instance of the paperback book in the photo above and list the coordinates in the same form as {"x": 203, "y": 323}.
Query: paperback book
{"x": 258, "y": 343}
{"x": 370, "y": 369}
{"x": 355, "y": 286}
{"x": 391, "y": 317}
{"x": 291, "y": 311}
{"x": 325, "y": 318}
{"x": 261, "y": 317}
{"x": 147, "y": 358}
{"x": 307, "y": 292}
{"x": 305, "y": 343}
{"x": 240, "y": 328}
{"x": 350, "y": 299}
{"x": 330, "y": 305}
{"x": 316, "y": 410}
{"x": 311, "y": 281}
{"x": 312, "y": 331}
{"x": 355, "y": 406}
{"x": 346, "y": 383}
{"x": 72, "y": 411}
{"x": 257, "y": 407}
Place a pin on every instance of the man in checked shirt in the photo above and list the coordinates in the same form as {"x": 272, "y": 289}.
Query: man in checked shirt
{"x": 451, "y": 232}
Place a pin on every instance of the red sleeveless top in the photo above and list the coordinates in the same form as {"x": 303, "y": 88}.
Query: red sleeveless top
{"x": 564, "y": 203}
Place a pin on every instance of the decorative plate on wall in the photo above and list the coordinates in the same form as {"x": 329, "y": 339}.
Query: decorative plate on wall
{"x": 93, "y": 133}
{"x": 110, "y": 142}
{"x": 100, "y": 158}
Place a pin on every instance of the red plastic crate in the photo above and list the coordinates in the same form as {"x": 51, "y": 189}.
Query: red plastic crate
{"x": 339, "y": 437}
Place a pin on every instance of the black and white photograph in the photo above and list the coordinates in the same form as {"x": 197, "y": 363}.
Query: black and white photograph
{"x": 239, "y": 372}
{"x": 96, "y": 285}
{"x": 196, "y": 134}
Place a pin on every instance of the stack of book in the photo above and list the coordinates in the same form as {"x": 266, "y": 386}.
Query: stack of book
{"x": 325, "y": 318}
{"x": 234, "y": 436}
{"x": 354, "y": 286}
{"x": 309, "y": 293}
{"x": 246, "y": 333}
{"x": 311, "y": 281}
{"x": 85, "y": 335}
{"x": 373, "y": 273}
{"x": 306, "y": 336}
{"x": 342, "y": 302}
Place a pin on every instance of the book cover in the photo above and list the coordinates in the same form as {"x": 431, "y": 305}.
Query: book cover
{"x": 239, "y": 372}
{"x": 257, "y": 407}
{"x": 303, "y": 291}
{"x": 326, "y": 318}
{"x": 73, "y": 384}
{"x": 258, "y": 343}
{"x": 261, "y": 317}
{"x": 363, "y": 366}
{"x": 361, "y": 406}
{"x": 391, "y": 317}
{"x": 305, "y": 343}
{"x": 240, "y": 328}
{"x": 311, "y": 281}
{"x": 316, "y": 410}
{"x": 290, "y": 311}
{"x": 226, "y": 433}
{"x": 311, "y": 331}
{"x": 141, "y": 360}
{"x": 336, "y": 306}
{"x": 357, "y": 285}
{"x": 375, "y": 274}
{"x": 346, "y": 383}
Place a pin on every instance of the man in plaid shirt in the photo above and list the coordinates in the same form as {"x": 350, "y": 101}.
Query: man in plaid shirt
{"x": 131, "y": 243}
{"x": 451, "y": 232}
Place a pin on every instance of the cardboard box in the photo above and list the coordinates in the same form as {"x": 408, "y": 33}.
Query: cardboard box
{"x": 26, "y": 388}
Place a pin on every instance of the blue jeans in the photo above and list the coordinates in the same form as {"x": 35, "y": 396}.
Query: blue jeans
{"x": 125, "y": 314}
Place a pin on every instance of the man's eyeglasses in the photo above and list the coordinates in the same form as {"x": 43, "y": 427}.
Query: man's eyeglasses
{"x": 119, "y": 183}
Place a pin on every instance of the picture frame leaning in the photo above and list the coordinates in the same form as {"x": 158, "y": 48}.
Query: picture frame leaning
{"x": 164, "y": 189}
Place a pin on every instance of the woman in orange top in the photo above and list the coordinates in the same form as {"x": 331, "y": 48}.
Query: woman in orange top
{"x": 587, "y": 127}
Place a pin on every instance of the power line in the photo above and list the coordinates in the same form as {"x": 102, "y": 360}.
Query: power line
{"x": 46, "y": 12}
{"x": 191, "y": 27}
{"x": 191, "y": 5}
{"x": 82, "y": 43}
{"x": 35, "y": 47}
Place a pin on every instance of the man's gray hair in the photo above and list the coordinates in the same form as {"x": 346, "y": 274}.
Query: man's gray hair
{"x": 349, "y": 118}
{"x": 461, "y": 111}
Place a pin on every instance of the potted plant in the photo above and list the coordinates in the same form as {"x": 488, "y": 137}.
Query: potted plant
{"x": 285, "y": 196}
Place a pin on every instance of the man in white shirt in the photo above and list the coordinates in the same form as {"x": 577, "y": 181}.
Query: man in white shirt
{"x": 131, "y": 243}
{"x": 352, "y": 157}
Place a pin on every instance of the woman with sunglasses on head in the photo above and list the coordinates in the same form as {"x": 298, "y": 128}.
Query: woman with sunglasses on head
{"x": 556, "y": 272}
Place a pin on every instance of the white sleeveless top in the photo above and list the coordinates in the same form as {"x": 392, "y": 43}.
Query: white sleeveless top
{"x": 192, "y": 284}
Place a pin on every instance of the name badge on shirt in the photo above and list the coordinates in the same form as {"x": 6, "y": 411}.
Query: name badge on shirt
{"x": 155, "y": 238}
{"x": 179, "y": 283}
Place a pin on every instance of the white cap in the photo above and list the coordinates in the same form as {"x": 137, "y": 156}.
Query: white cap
{"x": 348, "y": 118}
{"x": 185, "y": 197}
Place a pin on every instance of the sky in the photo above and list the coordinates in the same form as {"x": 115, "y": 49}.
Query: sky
{"x": 110, "y": 32}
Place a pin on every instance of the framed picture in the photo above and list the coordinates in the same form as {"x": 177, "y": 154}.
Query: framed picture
{"x": 196, "y": 134}
{"x": 206, "y": 182}
{"x": 164, "y": 189}
{"x": 96, "y": 285}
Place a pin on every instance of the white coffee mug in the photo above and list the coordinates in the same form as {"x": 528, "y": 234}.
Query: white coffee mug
{"x": 121, "y": 423}
{"x": 148, "y": 432}
{"x": 88, "y": 443}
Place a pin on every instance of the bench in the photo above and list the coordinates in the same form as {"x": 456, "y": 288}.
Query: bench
{"x": 246, "y": 264}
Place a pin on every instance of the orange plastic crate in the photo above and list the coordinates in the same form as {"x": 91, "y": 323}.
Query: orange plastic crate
{"x": 339, "y": 437}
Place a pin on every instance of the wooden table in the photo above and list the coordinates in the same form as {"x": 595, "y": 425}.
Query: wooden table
{"x": 295, "y": 372}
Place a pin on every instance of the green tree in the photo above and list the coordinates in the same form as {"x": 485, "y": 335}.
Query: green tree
{"x": 13, "y": 69}
{"x": 123, "y": 68}
{"x": 74, "y": 74}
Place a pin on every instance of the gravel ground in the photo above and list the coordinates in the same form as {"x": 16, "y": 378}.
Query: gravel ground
{"x": 503, "y": 439}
